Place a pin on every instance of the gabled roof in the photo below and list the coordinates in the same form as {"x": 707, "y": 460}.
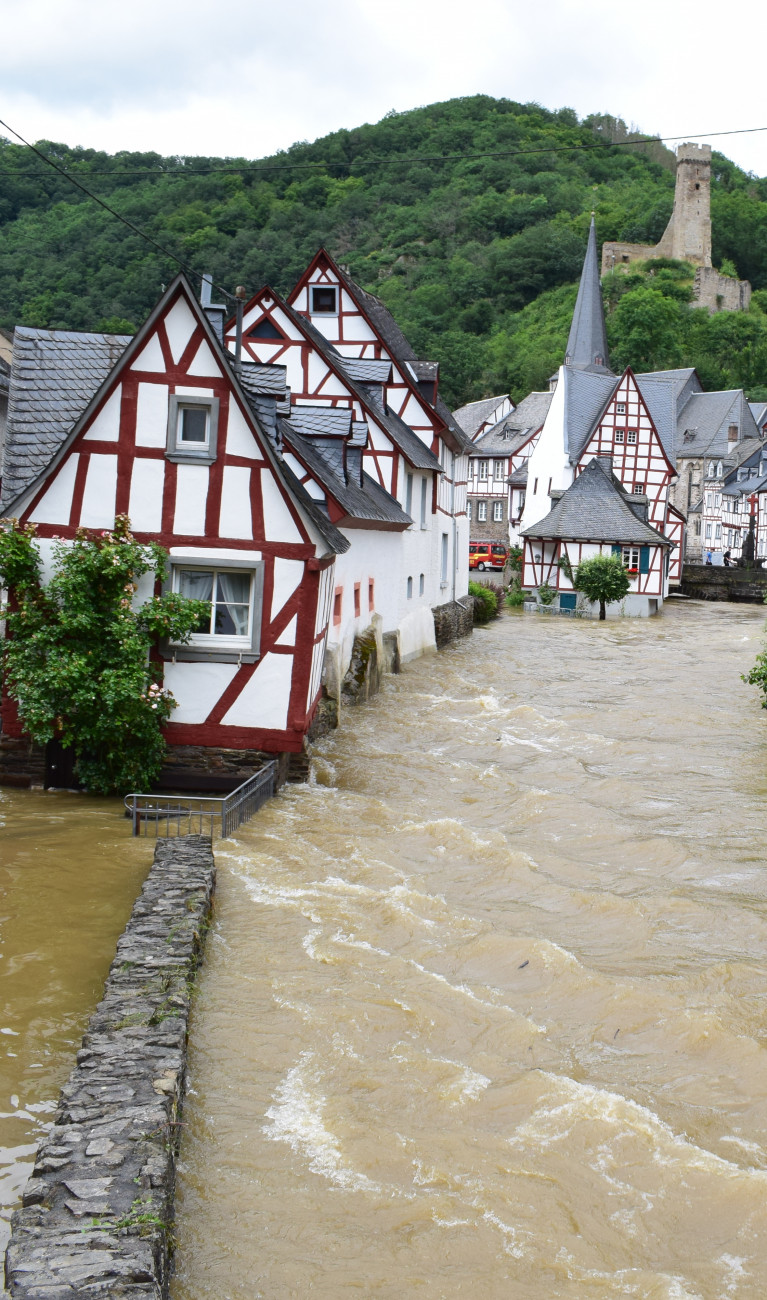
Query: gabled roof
{"x": 659, "y": 396}
{"x": 382, "y": 321}
{"x": 746, "y": 487}
{"x": 595, "y": 508}
{"x": 87, "y": 376}
{"x": 54, "y": 376}
{"x": 416, "y": 452}
{"x": 704, "y": 419}
{"x": 587, "y": 340}
{"x": 474, "y": 414}
{"x": 513, "y": 431}
{"x": 586, "y": 396}
{"x": 759, "y": 412}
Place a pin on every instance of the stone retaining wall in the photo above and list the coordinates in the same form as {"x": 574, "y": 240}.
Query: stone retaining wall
{"x": 715, "y": 582}
{"x": 96, "y": 1213}
{"x": 453, "y": 620}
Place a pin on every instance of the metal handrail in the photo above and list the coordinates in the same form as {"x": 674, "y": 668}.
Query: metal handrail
{"x": 181, "y": 815}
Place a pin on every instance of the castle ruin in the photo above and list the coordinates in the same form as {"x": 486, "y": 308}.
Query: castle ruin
{"x": 687, "y": 237}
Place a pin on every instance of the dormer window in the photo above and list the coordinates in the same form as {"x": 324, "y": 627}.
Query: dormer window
{"x": 719, "y": 469}
{"x": 711, "y": 469}
{"x": 192, "y": 428}
{"x": 324, "y": 300}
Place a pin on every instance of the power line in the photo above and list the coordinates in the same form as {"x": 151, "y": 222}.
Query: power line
{"x": 397, "y": 159}
{"x": 136, "y": 230}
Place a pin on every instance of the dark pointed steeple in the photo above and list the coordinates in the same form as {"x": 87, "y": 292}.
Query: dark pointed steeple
{"x": 587, "y": 342}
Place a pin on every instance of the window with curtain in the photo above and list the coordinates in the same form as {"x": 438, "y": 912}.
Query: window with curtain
{"x": 229, "y": 593}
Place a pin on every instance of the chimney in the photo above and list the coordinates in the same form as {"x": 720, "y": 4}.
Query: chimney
{"x": 215, "y": 311}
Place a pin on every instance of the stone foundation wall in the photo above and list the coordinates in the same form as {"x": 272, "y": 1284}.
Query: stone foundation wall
{"x": 714, "y": 582}
{"x": 453, "y": 620}
{"x": 96, "y": 1213}
{"x": 21, "y": 762}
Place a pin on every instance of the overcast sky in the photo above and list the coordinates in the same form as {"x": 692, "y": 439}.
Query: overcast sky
{"x": 247, "y": 77}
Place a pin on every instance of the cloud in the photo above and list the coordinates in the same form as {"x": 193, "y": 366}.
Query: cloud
{"x": 250, "y": 77}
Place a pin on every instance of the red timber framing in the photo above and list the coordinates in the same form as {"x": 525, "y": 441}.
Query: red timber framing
{"x": 354, "y": 332}
{"x": 236, "y": 509}
{"x": 311, "y": 378}
{"x": 626, "y": 432}
{"x": 541, "y": 563}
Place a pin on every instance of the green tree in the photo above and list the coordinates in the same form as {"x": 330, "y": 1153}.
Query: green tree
{"x": 76, "y": 654}
{"x": 603, "y": 579}
{"x": 644, "y": 330}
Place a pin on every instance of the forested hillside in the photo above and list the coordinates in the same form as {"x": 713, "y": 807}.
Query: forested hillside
{"x": 476, "y": 256}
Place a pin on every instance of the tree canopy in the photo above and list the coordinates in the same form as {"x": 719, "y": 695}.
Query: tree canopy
{"x": 603, "y": 579}
{"x": 477, "y": 256}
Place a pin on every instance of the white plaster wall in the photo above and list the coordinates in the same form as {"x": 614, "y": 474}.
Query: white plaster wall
{"x": 55, "y": 505}
{"x": 106, "y": 426}
{"x": 146, "y": 489}
{"x": 196, "y": 687}
{"x": 98, "y": 509}
{"x": 549, "y": 459}
{"x": 264, "y": 700}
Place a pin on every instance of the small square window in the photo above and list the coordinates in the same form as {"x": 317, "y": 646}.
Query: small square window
{"x": 620, "y": 435}
{"x": 192, "y": 428}
{"x": 324, "y": 300}
{"x": 638, "y": 489}
{"x": 631, "y": 435}
{"x": 631, "y": 558}
{"x": 620, "y": 408}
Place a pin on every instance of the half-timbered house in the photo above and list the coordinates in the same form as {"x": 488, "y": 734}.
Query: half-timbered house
{"x": 163, "y": 428}
{"x": 346, "y": 359}
{"x": 597, "y": 515}
{"x": 498, "y": 471}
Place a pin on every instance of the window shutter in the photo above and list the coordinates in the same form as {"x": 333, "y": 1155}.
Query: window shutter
{"x": 644, "y": 559}
{"x": 617, "y": 550}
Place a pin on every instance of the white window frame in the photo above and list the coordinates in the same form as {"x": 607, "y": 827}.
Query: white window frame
{"x": 314, "y": 311}
{"x": 708, "y": 532}
{"x": 632, "y": 435}
{"x": 481, "y": 512}
{"x": 630, "y": 557}
{"x": 483, "y": 469}
{"x": 197, "y": 452}
{"x": 620, "y": 435}
{"x": 497, "y": 512}
{"x": 213, "y": 645}
{"x": 620, "y": 408}
{"x": 499, "y": 468}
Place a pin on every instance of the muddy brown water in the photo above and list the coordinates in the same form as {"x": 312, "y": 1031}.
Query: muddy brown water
{"x": 484, "y": 1010}
{"x": 69, "y": 873}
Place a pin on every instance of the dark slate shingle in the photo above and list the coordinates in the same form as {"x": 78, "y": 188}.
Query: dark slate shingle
{"x": 595, "y": 508}
{"x": 54, "y": 377}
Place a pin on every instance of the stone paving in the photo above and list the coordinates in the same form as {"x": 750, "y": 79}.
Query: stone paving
{"x": 96, "y": 1214}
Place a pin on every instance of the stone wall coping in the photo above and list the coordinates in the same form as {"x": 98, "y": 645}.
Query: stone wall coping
{"x": 96, "y": 1213}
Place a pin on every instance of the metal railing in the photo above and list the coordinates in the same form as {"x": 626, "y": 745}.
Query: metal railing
{"x": 167, "y": 815}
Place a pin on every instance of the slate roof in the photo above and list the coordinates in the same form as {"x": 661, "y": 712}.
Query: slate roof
{"x": 518, "y": 425}
{"x": 587, "y": 340}
{"x": 366, "y": 370}
{"x": 365, "y": 502}
{"x": 322, "y": 421}
{"x": 595, "y": 508}
{"x": 704, "y": 420}
{"x": 759, "y": 412}
{"x": 54, "y": 377}
{"x": 586, "y": 395}
{"x": 473, "y": 414}
{"x": 745, "y": 487}
{"x": 264, "y": 379}
{"x": 659, "y": 396}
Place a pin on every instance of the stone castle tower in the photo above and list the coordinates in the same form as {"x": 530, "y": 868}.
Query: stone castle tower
{"x": 687, "y": 237}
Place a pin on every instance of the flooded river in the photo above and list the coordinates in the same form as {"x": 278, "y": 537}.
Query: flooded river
{"x": 69, "y": 873}
{"x": 484, "y": 1011}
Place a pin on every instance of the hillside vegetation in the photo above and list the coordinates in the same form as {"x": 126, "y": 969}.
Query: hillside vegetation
{"x": 476, "y": 257}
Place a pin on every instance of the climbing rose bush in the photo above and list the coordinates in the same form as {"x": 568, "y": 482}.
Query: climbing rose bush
{"x": 76, "y": 654}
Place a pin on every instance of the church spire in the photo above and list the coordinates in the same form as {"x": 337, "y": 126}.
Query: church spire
{"x": 587, "y": 342}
